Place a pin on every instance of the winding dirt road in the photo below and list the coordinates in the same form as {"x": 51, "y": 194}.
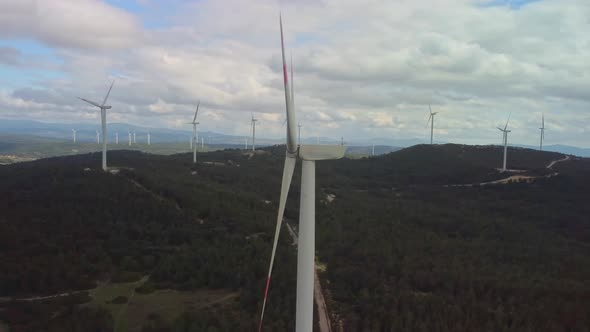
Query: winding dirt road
{"x": 515, "y": 178}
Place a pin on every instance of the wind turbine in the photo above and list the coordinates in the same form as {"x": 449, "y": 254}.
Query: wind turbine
{"x": 431, "y": 117}
{"x": 306, "y": 242}
{"x": 195, "y": 140}
{"x": 129, "y": 134}
{"x": 103, "y": 117}
{"x": 74, "y": 134}
{"x": 542, "y": 132}
{"x": 253, "y": 125}
{"x": 117, "y": 138}
{"x": 97, "y": 137}
{"x": 299, "y": 124}
{"x": 505, "y": 132}
{"x": 134, "y": 141}
{"x": 373, "y": 151}
{"x": 149, "y": 138}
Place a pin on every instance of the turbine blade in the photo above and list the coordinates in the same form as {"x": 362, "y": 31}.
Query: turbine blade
{"x": 196, "y": 112}
{"x": 291, "y": 121}
{"x": 90, "y": 102}
{"x": 285, "y": 185}
{"x": 292, "y": 83}
{"x": 506, "y": 126}
{"x": 429, "y": 108}
{"x": 108, "y": 93}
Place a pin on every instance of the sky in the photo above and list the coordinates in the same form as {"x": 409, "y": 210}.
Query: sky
{"x": 362, "y": 69}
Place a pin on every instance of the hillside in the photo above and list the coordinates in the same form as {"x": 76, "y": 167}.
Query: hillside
{"x": 396, "y": 242}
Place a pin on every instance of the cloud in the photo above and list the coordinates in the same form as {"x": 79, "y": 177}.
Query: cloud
{"x": 362, "y": 69}
{"x": 9, "y": 56}
{"x": 86, "y": 24}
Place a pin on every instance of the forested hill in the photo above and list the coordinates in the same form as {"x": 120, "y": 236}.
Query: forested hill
{"x": 436, "y": 165}
{"x": 401, "y": 249}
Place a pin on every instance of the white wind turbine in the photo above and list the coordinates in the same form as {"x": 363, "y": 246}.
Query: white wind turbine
{"x": 117, "y": 138}
{"x": 299, "y": 124}
{"x": 97, "y": 137}
{"x": 505, "y": 132}
{"x": 134, "y": 141}
{"x": 542, "y": 132}
{"x": 103, "y": 117}
{"x": 195, "y": 140}
{"x": 431, "y": 117}
{"x": 149, "y": 138}
{"x": 253, "y": 125}
{"x": 306, "y": 242}
{"x": 74, "y": 131}
{"x": 373, "y": 150}
{"x": 129, "y": 134}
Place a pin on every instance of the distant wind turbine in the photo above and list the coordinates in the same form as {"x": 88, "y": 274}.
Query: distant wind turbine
{"x": 373, "y": 151}
{"x": 129, "y": 133}
{"x": 74, "y": 134}
{"x": 431, "y": 117}
{"x": 97, "y": 137}
{"x": 134, "y": 140}
{"x": 253, "y": 125}
{"x": 117, "y": 138}
{"x": 195, "y": 140}
{"x": 542, "y": 132}
{"x": 505, "y": 132}
{"x": 103, "y": 116}
{"x": 306, "y": 241}
{"x": 149, "y": 138}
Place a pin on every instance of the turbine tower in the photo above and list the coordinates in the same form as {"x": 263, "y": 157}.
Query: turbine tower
{"x": 149, "y": 138}
{"x": 134, "y": 141}
{"x": 97, "y": 137}
{"x": 306, "y": 242}
{"x": 103, "y": 116}
{"x": 299, "y": 124}
{"x": 431, "y": 117}
{"x": 542, "y": 132}
{"x": 117, "y": 138}
{"x": 74, "y": 131}
{"x": 246, "y": 143}
{"x": 505, "y": 132}
{"x": 129, "y": 134}
{"x": 195, "y": 140}
{"x": 253, "y": 125}
{"x": 373, "y": 150}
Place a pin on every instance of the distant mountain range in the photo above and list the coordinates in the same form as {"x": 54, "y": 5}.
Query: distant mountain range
{"x": 86, "y": 133}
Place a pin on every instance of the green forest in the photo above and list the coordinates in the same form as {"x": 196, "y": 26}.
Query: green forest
{"x": 404, "y": 250}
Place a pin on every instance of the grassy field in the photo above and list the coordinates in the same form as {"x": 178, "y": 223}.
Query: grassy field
{"x": 167, "y": 304}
